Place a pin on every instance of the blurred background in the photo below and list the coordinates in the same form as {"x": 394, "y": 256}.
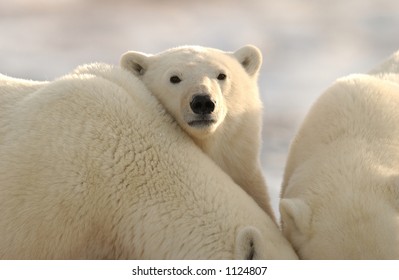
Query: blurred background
{"x": 306, "y": 45}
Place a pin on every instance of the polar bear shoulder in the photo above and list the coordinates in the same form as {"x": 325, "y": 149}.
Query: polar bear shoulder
{"x": 91, "y": 166}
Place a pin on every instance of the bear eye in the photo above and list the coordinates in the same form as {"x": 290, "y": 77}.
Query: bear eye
{"x": 175, "y": 80}
{"x": 222, "y": 77}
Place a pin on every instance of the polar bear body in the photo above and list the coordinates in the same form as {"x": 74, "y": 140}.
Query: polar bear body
{"x": 214, "y": 97}
{"x": 341, "y": 189}
{"x": 91, "y": 167}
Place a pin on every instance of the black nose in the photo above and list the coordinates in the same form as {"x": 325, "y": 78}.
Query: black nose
{"x": 202, "y": 104}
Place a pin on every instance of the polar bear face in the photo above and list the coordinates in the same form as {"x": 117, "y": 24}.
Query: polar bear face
{"x": 198, "y": 86}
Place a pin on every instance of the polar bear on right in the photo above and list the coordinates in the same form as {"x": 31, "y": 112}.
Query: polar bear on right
{"x": 213, "y": 95}
{"x": 340, "y": 193}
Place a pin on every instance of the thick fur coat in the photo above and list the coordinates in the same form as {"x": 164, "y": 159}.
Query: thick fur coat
{"x": 92, "y": 167}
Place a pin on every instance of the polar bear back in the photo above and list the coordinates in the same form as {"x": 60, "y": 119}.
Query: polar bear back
{"x": 357, "y": 107}
{"x": 92, "y": 167}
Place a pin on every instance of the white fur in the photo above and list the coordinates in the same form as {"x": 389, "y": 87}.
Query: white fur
{"x": 233, "y": 141}
{"x": 91, "y": 167}
{"x": 340, "y": 191}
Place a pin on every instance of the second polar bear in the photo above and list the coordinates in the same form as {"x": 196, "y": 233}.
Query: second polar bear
{"x": 341, "y": 189}
{"x": 214, "y": 97}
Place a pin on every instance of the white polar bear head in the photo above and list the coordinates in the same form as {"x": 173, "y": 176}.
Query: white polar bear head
{"x": 198, "y": 86}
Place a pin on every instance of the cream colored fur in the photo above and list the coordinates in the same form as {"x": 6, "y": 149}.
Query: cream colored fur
{"x": 340, "y": 194}
{"x": 233, "y": 141}
{"x": 91, "y": 167}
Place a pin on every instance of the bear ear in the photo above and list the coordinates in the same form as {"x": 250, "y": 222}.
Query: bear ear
{"x": 248, "y": 242}
{"x": 295, "y": 214}
{"x": 250, "y": 58}
{"x": 135, "y": 62}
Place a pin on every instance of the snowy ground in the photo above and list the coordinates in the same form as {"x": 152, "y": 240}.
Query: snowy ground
{"x": 306, "y": 44}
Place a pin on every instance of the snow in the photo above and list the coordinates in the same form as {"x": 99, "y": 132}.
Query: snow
{"x": 306, "y": 44}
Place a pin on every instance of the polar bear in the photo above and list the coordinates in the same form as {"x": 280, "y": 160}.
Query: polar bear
{"x": 92, "y": 167}
{"x": 340, "y": 193}
{"x": 213, "y": 95}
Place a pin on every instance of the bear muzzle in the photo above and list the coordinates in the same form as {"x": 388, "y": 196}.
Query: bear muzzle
{"x": 202, "y": 104}
{"x": 203, "y": 107}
